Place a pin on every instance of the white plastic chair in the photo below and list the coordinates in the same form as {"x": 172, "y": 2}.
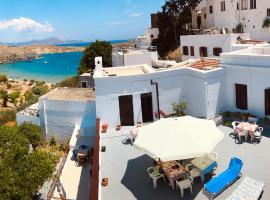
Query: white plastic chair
{"x": 258, "y": 133}
{"x": 235, "y": 124}
{"x": 154, "y": 175}
{"x": 213, "y": 156}
{"x": 193, "y": 171}
{"x": 185, "y": 184}
{"x": 241, "y": 134}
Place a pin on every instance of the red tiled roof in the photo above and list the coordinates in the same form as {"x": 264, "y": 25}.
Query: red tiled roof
{"x": 205, "y": 64}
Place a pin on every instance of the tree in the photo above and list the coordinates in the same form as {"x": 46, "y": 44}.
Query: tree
{"x": 98, "y": 48}
{"x": 22, "y": 173}
{"x": 13, "y": 96}
{"x": 173, "y": 22}
{"x": 31, "y": 132}
{"x": 4, "y": 96}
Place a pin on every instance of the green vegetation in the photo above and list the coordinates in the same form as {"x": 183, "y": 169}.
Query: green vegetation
{"x": 179, "y": 108}
{"x": 4, "y": 96}
{"x": 7, "y": 116}
{"x": 3, "y": 78}
{"x": 22, "y": 171}
{"x": 13, "y": 96}
{"x": 68, "y": 82}
{"x": 174, "y": 20}
{"x": 98, "y": 48}
{"x": 40, "y": 90}
{"x": 266, "y": 22}
{"x": 32, "y": 133}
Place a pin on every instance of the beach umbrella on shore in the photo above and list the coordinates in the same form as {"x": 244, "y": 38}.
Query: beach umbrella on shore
{"x": 178, "y": 138}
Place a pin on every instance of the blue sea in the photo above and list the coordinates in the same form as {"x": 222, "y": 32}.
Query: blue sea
{"x": 50, "y": 68}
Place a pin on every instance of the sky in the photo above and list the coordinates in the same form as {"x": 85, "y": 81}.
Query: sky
{"x": 87, "y": 20}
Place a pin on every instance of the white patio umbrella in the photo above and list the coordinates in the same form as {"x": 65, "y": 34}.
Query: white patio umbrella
{"x": 178, "y": 138}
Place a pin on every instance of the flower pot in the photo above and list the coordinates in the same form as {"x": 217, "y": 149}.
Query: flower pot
{"x": 118, "y": 128}
{"x": 103, "y": 148}
{"x": 104, "y": 128}
{"x": 105, "y": 182}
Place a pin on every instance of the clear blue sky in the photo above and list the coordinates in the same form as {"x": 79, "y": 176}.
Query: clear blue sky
{"x": 87, "y": 20}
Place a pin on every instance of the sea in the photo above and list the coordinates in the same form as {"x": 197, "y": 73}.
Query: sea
{"x": 50, "y": 68}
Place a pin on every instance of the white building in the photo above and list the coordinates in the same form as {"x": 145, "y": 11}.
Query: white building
{"x": 212, "y": 45}
{"x": 142, "y": 42}
{"x": 229, "y": 14}
{"x": 63, "y": 110}
{"x": 247, "y": 80}
{"x": 129, "y": 57}
{"x": 127, "y": 95}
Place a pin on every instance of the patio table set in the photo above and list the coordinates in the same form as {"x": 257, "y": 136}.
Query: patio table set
{"x": 247, "y": 130}
{"x": 81, "y": 154}
{"x": 181, "y": 176}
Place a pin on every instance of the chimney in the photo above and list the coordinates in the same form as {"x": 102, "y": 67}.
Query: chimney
{"x": 98, "y": 64}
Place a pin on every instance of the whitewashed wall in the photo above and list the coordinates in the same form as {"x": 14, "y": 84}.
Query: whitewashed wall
{"x": 224, "y": 41}
{"x": 252, "y": 19}
{"x": 252, "y": 70}
{"x": 60, "y": 117}
{"x": 174, "y": 86}
{"x": 21, "y": 118}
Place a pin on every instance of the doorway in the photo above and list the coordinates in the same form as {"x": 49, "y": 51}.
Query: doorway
{"x": 199, "y": 22}
{"x": 147, "y": 107}
{"x": 126, "y": 110}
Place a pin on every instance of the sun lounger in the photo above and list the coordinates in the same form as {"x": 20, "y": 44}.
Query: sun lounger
{"x": 249, "y": 189}
{"x": 218, "y": 184}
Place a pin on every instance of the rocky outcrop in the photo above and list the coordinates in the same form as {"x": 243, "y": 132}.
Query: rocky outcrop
{"x": 11, "y": 54}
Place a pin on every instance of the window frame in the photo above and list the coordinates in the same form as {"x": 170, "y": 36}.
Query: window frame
{"x": 267, "y": 101}
{"x": 223, "y": 6}
{"x": 217, "y": 51}
{"x": 244, "y": 5}
{"x": 268, "y": 12}
{"x": 185, "y": 51}
{"x": 211, "y": 9}
{"x": 192, "y": 51}
{"x": 205, "y": 53}
{"x": 253, "y": 4}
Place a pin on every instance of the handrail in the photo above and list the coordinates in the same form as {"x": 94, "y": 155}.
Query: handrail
{"x": 94, "y": 183}
{"x": 58, "y": 174}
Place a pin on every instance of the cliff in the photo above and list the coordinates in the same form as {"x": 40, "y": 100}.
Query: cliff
{"x": 10, "y": 54}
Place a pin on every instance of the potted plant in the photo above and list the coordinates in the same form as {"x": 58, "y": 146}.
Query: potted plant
{"x": 105, "y": 181}
{"x": 104, "y": 128}
{"x": 179, "y": 108}
{"x": 103, "y": 148}
{"x": 118, "y": 127}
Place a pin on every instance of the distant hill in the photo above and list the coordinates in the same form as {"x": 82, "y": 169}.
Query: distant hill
{"x": 48, "y": 41}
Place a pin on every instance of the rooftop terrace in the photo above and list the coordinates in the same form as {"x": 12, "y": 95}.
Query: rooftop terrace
{"x": 80, "y": 94}
{"x": 126, "y": 168}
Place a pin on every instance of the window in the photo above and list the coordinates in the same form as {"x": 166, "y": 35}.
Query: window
{"x": 217, "y": 51}
{"x": 267, "y": 101}
{"x": 237, "y": 6}
{"x": 84, "y": 84}
{"x": 253, "y": 4}
{"x": 210, "y": 9}
{"x": 192, "y": 50}
{"x": 268, "y": 12}
{"x": 244, "y": 5}
{"x": 203, "y": 51}
{"x": 223, "y": 6}
{"x": 204, "y": 16}
{"x": 185, "y": 50}
{"x": 241, "y": 96}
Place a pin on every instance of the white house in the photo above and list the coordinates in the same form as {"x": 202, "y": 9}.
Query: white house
{"x": 247, "y": 80}
{"x": 212, "y": 45}
{"x": 127, "y": 95}
{"x": 128, "y": 57}
{"x": 229, "y": 14}
{"x": 142, "y": 42}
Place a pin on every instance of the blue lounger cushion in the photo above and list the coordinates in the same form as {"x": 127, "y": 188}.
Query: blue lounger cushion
{"x": 226, "y": 178}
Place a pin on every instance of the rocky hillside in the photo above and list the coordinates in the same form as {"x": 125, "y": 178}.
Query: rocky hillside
{"x": 10, "y": 54}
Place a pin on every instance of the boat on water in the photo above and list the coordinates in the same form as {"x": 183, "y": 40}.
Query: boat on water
{"x": 45, "y": 62}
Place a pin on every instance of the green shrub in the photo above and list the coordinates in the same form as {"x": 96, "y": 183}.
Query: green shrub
{"x": 68, "y": 82}
{"x": 8, "y": 85}
{"x": 53, "y": 140}
{"x": 29, "y": 97}
{"x": 179, "y": 108}
{"x": 39, "y": 83}
{"x": 13, "y": 96}
{"x": 40, "y": 90}
{"x": 32, "y": 133}
{"x": 3, "y": 78}
{"x": 4, "y": 96}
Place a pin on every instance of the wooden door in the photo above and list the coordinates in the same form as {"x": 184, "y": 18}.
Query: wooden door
{"x": 147, "y": 107}
{"x": 126, "y": 110}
